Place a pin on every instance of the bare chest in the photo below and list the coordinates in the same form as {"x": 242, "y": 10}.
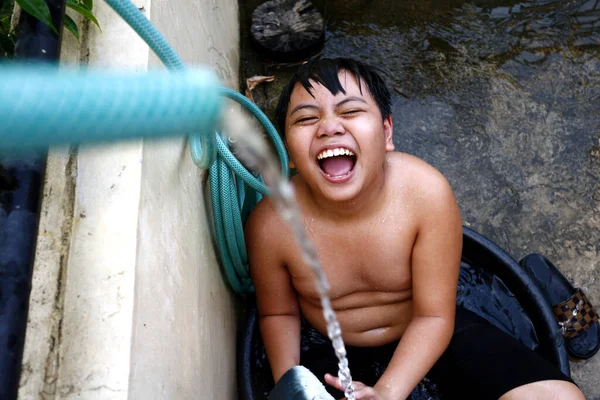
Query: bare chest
{"x": 372, "y": 257}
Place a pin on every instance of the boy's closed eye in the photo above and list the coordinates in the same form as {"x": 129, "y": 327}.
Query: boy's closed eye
{"x": 306, "y": 119}
{"x": 352, "y": 112}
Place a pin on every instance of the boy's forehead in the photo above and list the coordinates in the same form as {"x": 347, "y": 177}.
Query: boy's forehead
{"x": 347, "y": 79}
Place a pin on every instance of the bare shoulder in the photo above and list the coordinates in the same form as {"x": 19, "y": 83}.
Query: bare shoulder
{"x": 263, "y": 225}
{"x": 419, "y": 176}
{"x": 265, "y": 228}
{"x": 427, "y": 188}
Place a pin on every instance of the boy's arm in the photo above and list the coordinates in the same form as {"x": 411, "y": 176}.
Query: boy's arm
{"x": 435, "y": 270}
{"x": 279, "y": 317}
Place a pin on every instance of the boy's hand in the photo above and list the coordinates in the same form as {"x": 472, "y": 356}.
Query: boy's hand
{"x": 361, "y": 391}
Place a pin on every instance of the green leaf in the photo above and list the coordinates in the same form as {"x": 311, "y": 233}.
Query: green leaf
{"x": 4, "y": 26}
{"x": 5, "y": 13}
{"x": 7, "y": 46}
{"x": 38, "y": 9}
{"x": 89, "y": 4}
{"x": 7, "y": 7}
{"x": 83, "y": 11}
{"x": 71, "y": 26}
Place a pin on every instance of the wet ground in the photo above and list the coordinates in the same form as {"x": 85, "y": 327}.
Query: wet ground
{"x": 503, "y": 97}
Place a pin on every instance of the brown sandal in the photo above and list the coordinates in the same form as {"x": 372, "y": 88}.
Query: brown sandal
{"x": 577, "y": 319}
{"x": 575, "y": 315}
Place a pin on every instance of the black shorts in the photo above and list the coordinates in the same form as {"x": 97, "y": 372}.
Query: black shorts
{"x": 481, "y": 362}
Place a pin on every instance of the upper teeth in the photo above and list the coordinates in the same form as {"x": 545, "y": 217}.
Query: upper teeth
{"x": 334, "y": 152}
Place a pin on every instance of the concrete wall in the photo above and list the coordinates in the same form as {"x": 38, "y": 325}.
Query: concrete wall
{"x": 128, "y": 301}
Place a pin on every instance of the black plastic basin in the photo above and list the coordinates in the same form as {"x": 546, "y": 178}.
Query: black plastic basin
{"x": 492, "y": 284}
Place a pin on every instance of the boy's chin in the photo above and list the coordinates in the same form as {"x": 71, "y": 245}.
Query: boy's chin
{"x": 340, "y": 192}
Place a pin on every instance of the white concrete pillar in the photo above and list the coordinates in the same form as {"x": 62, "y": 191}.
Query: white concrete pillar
{"x": 128, "y": 301}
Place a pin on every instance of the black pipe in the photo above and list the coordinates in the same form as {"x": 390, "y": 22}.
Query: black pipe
{"x": 36, "y": 41}
{"x": 21, "y": 187}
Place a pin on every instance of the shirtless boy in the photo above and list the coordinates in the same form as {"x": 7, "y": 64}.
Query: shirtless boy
{"x": 389, "y": 235}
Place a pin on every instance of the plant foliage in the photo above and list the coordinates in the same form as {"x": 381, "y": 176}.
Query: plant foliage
{"x": 39, "y": 9}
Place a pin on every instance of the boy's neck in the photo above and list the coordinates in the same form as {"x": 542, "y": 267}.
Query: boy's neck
{"x": 370, "y": 200}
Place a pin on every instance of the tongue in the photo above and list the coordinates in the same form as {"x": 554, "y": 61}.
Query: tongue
{"x": 337, "y": 166}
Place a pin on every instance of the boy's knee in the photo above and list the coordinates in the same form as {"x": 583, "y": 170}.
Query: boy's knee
{"x": 545, "y": 390}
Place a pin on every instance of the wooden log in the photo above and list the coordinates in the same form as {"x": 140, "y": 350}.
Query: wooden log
{"x": 288, "y": 30}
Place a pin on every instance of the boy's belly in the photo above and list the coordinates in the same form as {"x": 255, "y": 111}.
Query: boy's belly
{"x": 367, "y": 319}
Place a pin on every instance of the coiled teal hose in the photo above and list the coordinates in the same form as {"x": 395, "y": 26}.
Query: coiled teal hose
{"x": 42, "y": 107}
{"x": 231, "y": 200}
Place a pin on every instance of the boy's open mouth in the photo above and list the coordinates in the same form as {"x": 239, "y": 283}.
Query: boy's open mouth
{"x": 336, "y": 163}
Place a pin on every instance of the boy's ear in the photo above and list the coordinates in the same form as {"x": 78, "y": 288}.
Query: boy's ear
{"x": 388, "y": 130}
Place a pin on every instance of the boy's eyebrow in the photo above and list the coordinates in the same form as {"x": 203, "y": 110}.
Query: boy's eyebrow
{"x": 303, "y": 106}
{"x": 349, "y": 99}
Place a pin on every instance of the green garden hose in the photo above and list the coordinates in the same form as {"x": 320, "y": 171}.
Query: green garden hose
{"x": 234, "y": 189}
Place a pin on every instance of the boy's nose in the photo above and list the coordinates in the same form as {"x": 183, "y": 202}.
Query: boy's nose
{"x": 330, "y": 127}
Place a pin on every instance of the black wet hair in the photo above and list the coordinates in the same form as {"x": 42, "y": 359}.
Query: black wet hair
{"x": 325, "y": 71}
